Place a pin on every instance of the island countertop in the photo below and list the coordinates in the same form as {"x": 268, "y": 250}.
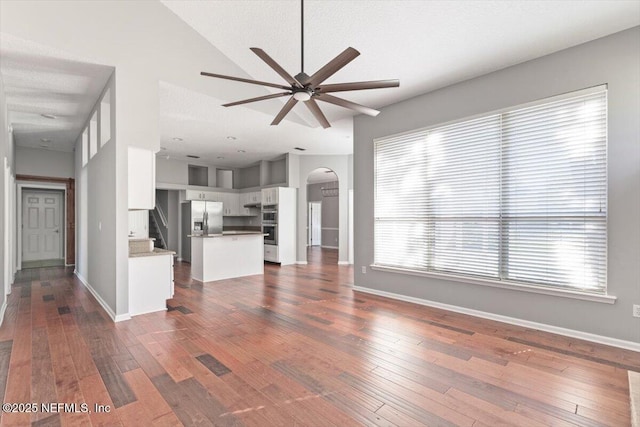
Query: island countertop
{"x": 229, "y": 233}
{"x": 155, "y": 252}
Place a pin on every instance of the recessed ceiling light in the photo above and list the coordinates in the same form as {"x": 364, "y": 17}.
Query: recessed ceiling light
{"x": 178, "y": 139}
{"x": 232, "y": 138}
{"x": 45, "y": 140}
{"x": 48, "y": 116}
{"x": 241, "y": 151}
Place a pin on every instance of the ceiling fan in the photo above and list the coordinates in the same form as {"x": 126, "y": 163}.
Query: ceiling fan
{"x": 307, "y": 88}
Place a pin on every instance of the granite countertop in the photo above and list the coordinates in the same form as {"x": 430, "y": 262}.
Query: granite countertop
{"x": 156, "y": 252}
{"x": 229, "y": 233}
{"x": 138, "y": 239}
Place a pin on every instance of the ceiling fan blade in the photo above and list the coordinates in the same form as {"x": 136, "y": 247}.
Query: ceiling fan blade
{"x": 285, "y": 110}
{"x": 275, "y": 66}
{"x": 348, "y": 55}
{"x": 259, "y": 98}
{"x": 312, "y": 105}
{"x": 239, "y": 79}
{"x": 341, "y": 87}
{"x": 347, "y": 104}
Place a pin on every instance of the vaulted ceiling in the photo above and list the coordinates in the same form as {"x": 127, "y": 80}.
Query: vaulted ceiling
{"x": 425, "y": 44}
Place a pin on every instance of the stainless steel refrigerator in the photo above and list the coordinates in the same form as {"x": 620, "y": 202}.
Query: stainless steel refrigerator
{"x": 199, "y": 218}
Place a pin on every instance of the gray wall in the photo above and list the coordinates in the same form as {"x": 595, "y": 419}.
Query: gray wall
{"x": 33, "y": 161}
{"x": 173, "y": 220}
{"x": 247, "y": 177}
{"x": 613, "y": 60}
{"x": 172, "y": 171}
{"x": 330, "y": 212}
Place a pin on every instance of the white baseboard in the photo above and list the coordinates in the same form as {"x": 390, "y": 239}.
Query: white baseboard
{"x": 301, "y": 262}
{"x": 122, "y": 317}
{"x": 102, "y": 302}
{"x": 3, "y": 309}
{"x": 343, "y": 262}
{"x": 328, "y": 247}
{"x": 600, "y": 339}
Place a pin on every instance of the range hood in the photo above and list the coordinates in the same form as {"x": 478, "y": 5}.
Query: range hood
{"x": 253, "y": 205}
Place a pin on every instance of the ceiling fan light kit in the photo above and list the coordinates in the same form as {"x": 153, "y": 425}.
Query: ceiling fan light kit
{"x": 307, "y": 88}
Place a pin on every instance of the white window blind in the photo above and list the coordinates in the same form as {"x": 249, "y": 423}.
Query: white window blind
{"x": 518, "y": 196}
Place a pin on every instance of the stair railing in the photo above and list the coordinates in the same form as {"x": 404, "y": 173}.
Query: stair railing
{"x": 163, "y": 242}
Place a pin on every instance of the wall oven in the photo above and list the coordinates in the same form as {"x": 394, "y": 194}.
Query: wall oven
{"x": 269, "y": 215}
{"x": 271, "y": 234}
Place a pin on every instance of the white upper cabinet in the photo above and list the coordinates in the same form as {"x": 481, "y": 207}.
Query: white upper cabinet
{"x": 231, "y": 204}
{"x": 247, "y": 199}
{"x": 270, "y": 196}
{"x": 142, "y": 178}
{"x": 210, "y": 196}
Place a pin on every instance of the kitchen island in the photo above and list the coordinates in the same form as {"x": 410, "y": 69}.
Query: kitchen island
{"x": 227, "y": 255}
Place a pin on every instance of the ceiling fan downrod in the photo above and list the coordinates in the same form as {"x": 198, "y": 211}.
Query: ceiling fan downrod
{"x": 301, "y": 36}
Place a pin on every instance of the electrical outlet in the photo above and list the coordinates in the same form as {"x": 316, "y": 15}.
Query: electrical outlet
{"x": 364, "y": 271}
{"x": 636, "y": 310}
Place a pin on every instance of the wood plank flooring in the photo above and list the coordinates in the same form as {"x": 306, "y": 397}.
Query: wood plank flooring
{"x": 294, "y": 347}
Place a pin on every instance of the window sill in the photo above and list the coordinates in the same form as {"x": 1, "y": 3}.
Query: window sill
{"x": 565, "y": 293}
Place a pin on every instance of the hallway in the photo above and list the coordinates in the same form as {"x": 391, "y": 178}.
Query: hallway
{"x": 295, "y": 346}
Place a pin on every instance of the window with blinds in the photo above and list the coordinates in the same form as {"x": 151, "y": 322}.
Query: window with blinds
{"x": 517, "y": 196}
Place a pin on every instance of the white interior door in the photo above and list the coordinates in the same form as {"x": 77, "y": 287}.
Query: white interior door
{"x": 41, "y": 225}
{"x": 315, "y": 224}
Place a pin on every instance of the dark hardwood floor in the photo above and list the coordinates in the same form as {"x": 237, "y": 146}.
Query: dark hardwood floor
{"x": 318, "y": 255}
{"x": 294, "y": 347}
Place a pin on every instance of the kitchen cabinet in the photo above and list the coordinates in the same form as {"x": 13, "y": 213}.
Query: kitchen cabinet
{"x": 271, "y": 253}
{"x": 209, "y": 196}
{"x": 249, "y": 198}
{"x": 142, "y": 178}
{"x": 270, "y": 196}
{"x": 231, "y": 204}
{"x": 255, "y": 197}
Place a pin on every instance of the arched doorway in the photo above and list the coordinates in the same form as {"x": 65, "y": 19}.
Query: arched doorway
{"x": 322, "y": 217}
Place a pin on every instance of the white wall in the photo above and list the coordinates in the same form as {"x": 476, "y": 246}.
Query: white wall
{"x": 614, "y": 60}
{"x": 101, "y": 255}
{"x": 40, "y": 162}
{"x": 7, "y": 205}
{"x": 340, "y": 165}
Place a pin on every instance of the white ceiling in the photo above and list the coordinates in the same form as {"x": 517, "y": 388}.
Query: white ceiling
{"x": 425, "y": 44}
{"x": 37, "y": 81}
{"x": 204, "y": 127}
